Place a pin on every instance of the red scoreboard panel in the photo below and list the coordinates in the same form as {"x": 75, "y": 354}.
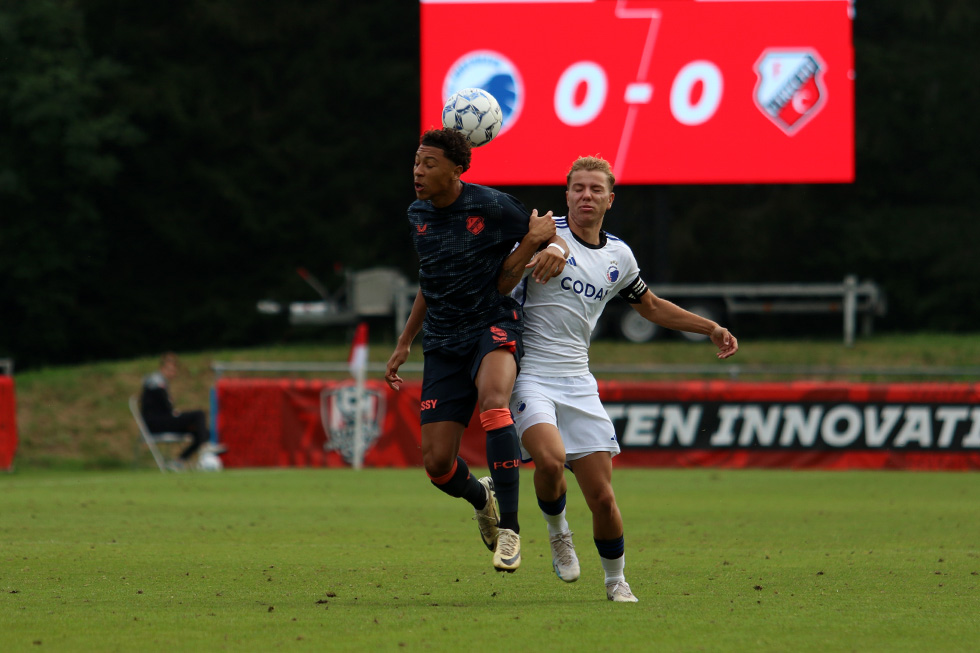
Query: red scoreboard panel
{"x": 669, "y": 91}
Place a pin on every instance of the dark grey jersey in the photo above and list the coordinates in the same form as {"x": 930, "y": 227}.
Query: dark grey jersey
{"x": 461, "y": 248}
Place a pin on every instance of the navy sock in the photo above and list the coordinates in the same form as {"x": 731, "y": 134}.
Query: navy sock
{"x": 504, "y": 459}
{"x": 611, "y": 549}
{"x": 461, "y": 484}
{"x": 552, "y": 507}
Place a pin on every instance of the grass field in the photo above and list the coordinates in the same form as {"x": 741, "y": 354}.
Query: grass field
{"x": 341, "y": 560}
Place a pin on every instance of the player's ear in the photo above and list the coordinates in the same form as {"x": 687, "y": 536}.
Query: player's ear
{"x": 457, "y": 171}
{"x": 612, "y": 196}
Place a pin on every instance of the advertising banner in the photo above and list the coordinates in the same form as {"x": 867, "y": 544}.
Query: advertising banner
{"x": 310, "y": 423}
{"x": 8, "y": 422}
{"x": 668, "y": 91}
{"x": 284, "y": 423}
{"x": 796, "y": 424}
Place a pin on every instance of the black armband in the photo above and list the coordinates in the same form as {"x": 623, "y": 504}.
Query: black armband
{"x": 634, "y": 292}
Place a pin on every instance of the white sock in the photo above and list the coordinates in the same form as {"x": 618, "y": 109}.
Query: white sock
{"x": 556, "y": 523}
{"x": 614, "y": 568}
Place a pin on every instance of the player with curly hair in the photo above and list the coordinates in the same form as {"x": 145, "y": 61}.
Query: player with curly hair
{"x": 472, "y": 333}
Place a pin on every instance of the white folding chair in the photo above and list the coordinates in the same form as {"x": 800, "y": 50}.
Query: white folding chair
{"x": 153, "y": 439}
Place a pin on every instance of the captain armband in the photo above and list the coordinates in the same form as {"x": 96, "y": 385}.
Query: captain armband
{"x": 634, "y": 292}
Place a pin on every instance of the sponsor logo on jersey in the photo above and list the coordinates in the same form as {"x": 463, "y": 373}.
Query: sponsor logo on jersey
{"x": 474, "y": 224}
{"x": 571, "y": 261}
{"x": 587, "y": 290}
{"x": 495, "y": 74}
{"x": 421, "y": 228}
{"x": 338, "y": 414}
{"x": 790, "y": 89}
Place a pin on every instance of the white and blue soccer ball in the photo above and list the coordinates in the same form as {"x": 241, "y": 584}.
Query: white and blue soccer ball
{"x": 208, "y": 461}
{"x": 475, "y": 113}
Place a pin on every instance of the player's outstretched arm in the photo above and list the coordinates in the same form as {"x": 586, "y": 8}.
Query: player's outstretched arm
{"x": 404, "y": 345}
{"x": 670, "y": 315}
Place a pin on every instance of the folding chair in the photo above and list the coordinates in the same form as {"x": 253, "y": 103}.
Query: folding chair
{"x": 153, "y": 439}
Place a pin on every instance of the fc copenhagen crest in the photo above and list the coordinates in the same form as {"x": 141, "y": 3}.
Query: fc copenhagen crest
{"x": 338, "y": 412}
{"x": 790, "y": 90}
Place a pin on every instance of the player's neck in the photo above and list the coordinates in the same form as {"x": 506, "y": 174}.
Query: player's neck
{"x": 451, "y": 195}
{"x": 588, "y": 233}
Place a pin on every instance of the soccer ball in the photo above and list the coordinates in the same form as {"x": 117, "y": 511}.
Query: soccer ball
{"x": 474, "y": 113}
{"x": 207, "y": 461}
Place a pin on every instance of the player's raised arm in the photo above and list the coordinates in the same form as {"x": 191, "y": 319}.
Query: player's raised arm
{"x": 536, "y": 245}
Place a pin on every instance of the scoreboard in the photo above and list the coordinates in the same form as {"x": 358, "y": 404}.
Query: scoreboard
{"x": 668, "y": 91}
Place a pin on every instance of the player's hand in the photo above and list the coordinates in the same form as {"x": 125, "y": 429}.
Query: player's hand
{"x": 541, "y": 227}
{"x": 549, "y": 262}
{"x": 399, "y": 356}
{"x": 726, "y": 343}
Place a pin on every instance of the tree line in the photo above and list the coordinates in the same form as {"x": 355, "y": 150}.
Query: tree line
{"x": 165, "y": 165}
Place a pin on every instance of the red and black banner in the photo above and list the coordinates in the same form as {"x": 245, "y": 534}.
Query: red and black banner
{"x": 796, "y": 424}
{"x": 8, "y": 422}
{"x": 275, "y": 422}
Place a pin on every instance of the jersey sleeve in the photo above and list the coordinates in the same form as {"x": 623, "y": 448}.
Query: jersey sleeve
{"x": 516, "y": 217}
{"x": 634, "y": 287}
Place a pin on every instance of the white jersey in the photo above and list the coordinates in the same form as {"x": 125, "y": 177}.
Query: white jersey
{"x": 559, "y": 316}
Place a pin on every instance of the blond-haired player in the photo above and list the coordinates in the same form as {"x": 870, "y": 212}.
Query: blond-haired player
{"x": 555, "y": 401}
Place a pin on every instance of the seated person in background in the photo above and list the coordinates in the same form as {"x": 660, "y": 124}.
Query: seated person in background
{"x": 160, "y": 417}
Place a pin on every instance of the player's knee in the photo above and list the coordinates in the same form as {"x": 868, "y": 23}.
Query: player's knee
{"x": 493, "y": 400}
{"x": 603, "y": 502}
{"x": 437, "y": 466}
{"x": 550, "y": 467}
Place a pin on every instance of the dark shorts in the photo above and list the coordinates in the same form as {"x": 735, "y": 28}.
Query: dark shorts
{"x": 449, "y": 374}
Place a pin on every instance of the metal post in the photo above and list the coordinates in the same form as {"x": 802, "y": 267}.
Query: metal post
{"x": 850, "y": 309}
{"x": 359, "y": 418}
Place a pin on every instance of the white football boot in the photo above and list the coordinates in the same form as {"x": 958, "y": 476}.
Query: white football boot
{"x": 563, "y": 557}
{"x": 489, "y": 517}
{"x": 619, "y": 591}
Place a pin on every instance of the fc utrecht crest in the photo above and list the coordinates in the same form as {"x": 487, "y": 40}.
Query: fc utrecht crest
{"x": 790, "y": 90}
{"x": 338, "y": 412}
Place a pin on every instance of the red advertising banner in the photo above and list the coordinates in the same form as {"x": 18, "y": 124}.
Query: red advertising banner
{"x": 310, "y": 423}
{"x": 796, "y": 425}
{"x": 669, "y": 91}
{"x": 302, "y": 423}
{"x": 8, "y": 422}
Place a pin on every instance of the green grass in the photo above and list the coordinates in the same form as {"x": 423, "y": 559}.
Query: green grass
{"x": 76, "y": 417}
{"x": 340, "y": 560}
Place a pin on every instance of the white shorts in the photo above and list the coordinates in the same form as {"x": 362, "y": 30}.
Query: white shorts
{"x": 569, "y": 403}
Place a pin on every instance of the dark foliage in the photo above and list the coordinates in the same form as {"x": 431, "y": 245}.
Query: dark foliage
{"x": 163, "y": 165}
